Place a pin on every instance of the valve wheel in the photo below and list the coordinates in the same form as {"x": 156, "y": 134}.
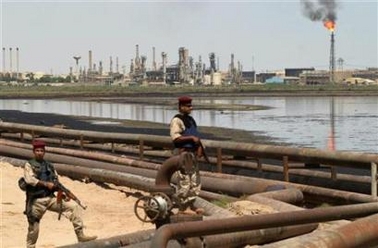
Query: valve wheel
{"x": 166, "y": 198}
{"x": 150, "y": 207}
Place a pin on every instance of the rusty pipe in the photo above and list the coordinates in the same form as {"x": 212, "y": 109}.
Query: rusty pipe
{"x": 87, "y": 155}
{"x": 210, "y": 227}
{"x": 314, "y": 193}
{"x": 213, "y": 210}
{"x": 239, "y": 239}
{"x": 147, "y": 165}
{"x": 149, "y": 140}
{"x": 308, "y": 155}
{"x": 304, "y": 175}
{"x": 56, "y": 158}
{"x": 214, "y": 182}
{"x": 95, "y": 146}
{"x": 235, "y": 240}
{"x": 115, "y": 242}
{"x": 359, "y": 233}
{"x": 168, "y": 168}
{"x": 290, "y": 195}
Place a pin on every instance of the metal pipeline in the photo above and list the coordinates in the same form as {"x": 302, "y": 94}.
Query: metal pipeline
{"x": 234, "y": 163}
{"x": 365, "y": 188}
{"x": 115, "y": 242}
{"x": 313, "y": 193}
{"x": 121, "y": 178}
{"x": 94, "y": 146}
{"x": 359, "y": 233}
{"x": 215, "y": 182}
{"x": 304, "y": 176}
{"x": 291, "y": 195}
{"x": 168, "y": 168}
{"x": 27, "y": 154}
{"x": 211, "y": 227}
{"x": 87, "y": 155}
{"x": 107, "y": 176}
{"x": 307, "y": 155}
{"x": 149, "y": 140}
{"x": 239, "y": 239}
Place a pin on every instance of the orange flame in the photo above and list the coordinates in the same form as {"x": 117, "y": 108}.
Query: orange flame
{"x": 330, "y": 25}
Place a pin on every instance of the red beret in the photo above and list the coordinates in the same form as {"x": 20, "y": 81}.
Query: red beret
{"x": 38, "y": 144}
{"x": 184, "y": 100}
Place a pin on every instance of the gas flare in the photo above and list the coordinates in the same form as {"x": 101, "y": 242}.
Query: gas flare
{"x": 330, "y": 25}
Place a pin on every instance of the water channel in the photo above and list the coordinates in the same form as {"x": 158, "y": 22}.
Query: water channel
{"x": 345, "y": 123}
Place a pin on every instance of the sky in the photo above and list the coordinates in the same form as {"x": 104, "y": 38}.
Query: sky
{"x": 262, "y": 35}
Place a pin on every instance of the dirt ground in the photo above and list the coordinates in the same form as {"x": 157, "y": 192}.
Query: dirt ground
{"x": 109, "y": 213}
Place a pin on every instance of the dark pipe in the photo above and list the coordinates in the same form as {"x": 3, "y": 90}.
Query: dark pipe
{"x": 115, "y": 242}
{"x": 164, "y": 174}
{"x": 215, "y": 182}
{"x": 210, "y": 227}
{"x": 306, "y": 155}
{"x": 356, "y": 234}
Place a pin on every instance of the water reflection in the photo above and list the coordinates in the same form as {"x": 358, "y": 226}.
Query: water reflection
{"x": 306, "y": 121}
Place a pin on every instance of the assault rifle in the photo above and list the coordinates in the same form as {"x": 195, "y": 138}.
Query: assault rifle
{"x": 204, "y": 152}
{"x": 65, "y": 194}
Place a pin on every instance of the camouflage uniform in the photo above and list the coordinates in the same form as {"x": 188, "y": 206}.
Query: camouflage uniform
{"x": 39, "y": 200}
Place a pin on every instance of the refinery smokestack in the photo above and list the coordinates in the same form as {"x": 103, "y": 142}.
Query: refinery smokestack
{"x": 164, "y": 62}
{"x": 90, "y": 60}
{"x": 17, "y": 62}
{"x": 3, "y": 60}
{"x": 117, "y": 65}
{"x": 10, "y": 62}
{"x": 137, "y": 59}
{"x": 153, "y": 59}
{"x": 332, "y": 59}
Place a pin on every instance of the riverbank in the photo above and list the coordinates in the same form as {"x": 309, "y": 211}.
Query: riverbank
{"x": 250, "y": 90}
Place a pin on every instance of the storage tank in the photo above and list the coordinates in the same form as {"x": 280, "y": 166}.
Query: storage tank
{"x": 217, "y": 78}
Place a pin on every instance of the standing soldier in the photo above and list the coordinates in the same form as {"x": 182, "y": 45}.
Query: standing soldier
{"x": 185, "y": 137}
{"x": 39, "y": 176}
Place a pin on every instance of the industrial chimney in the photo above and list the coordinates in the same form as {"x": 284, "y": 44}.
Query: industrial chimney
{"x": 164, "y": 60}
{"x": 153, "y": 59}
{"x": 10, "y": 62}
{"x": 332, "y": 59}
{"x": 3, "y": 60}
{"x": 117, "y": 65}
{"x": 137, "y": 59}
{"x": 90, "y": 61}
{"x": 17, "y": 63}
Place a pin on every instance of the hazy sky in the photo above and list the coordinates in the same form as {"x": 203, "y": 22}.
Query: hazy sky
{"x": 266, "y": 35}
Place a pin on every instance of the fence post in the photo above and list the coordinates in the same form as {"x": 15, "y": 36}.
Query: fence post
{"x": 81, "y": 142}
{"x": 259, "y": 164}
{"x": 219, "y": 159}
{"x": 141, "y": 149}
{"x": 373, "y": 179}
{"x": 333, "y": 173}
{"x": 286, "y": 168}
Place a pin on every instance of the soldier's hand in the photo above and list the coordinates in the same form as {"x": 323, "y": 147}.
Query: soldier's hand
{"x": 50, "y": 185}
{"x": 196, "y": 139}
{"x": 199, "y": 152}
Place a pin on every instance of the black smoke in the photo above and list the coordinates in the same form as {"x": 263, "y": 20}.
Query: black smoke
{"x": 323, "y": 10}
